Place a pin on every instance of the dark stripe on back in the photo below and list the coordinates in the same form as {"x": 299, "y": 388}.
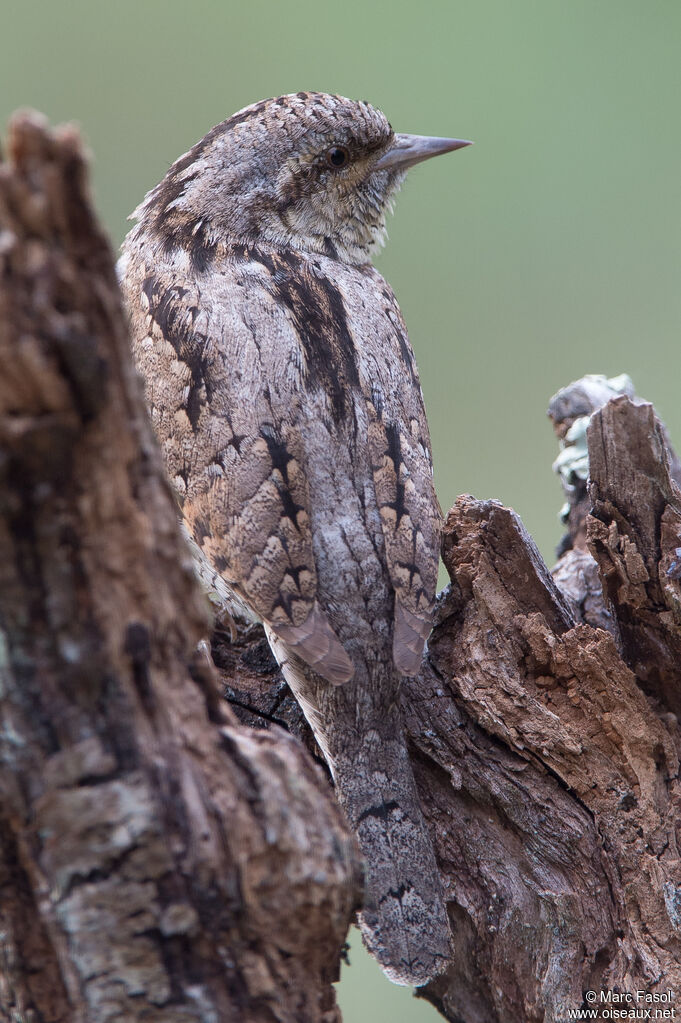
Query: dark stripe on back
{"x": 196, "y": 241}
{"x": 319, "y": 316}
{"x": 177, "y": 231}
{"x": 172, "y": 185}
{"x": 392, "y": 434}
{"x": 176, "y": 322}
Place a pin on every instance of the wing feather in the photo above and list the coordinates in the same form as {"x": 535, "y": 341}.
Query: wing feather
{"x": 221, "y": 404}
{"x": 399, "y": 445}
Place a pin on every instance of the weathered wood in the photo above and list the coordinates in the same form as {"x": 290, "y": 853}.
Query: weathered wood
{"x": 568, "y": 878}
{"x": 158, "y": 861}
{"x": 634, "y": 533}
{"x": 548, "y": 778}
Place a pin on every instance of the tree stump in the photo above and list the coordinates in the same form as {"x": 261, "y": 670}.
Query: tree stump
{"x": 165, "y": 856}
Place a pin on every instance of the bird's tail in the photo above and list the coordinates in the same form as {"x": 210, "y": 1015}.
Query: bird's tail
{"x": 358, "y": 726}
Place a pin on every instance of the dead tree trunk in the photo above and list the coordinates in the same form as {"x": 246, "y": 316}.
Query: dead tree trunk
{"x": 159, "y": 860}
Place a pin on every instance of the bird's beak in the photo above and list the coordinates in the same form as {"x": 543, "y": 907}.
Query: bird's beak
{"x": 407, "y": 150}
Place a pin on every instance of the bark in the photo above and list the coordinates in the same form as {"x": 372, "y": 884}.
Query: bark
{"x": 545, "y": 738}
{"x": 160, "y": 860}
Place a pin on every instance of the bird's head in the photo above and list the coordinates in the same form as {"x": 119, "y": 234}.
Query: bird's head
{"x": 308, "y": 171}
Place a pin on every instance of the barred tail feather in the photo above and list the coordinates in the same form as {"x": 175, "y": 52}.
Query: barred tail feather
{"x": 358, "y": 726}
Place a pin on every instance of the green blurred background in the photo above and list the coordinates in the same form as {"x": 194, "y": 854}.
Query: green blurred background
{"x": 550, "y": 249}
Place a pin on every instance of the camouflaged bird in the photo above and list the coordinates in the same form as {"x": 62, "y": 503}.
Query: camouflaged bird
{"x": 285, "y": 396}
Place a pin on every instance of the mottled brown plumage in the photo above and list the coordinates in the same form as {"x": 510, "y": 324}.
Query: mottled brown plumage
{"x": 284, "y": 393}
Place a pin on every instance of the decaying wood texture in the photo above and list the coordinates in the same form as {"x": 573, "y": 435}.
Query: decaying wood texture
{"x": 547, "y": 767}
{"x": 160, "y": 860}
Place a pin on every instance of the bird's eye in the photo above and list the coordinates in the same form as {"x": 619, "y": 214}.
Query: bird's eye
{"x": 337, "y": 156}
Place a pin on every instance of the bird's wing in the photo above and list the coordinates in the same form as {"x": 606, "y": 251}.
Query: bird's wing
{"x": 399, "y": 444}
{"x": 223, "y": 405}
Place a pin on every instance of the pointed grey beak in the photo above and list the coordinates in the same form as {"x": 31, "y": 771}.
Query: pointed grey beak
{"x": 407, "y": 150}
